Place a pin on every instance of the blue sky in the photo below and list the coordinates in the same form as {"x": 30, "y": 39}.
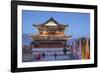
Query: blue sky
{"x": 79, "y": 23}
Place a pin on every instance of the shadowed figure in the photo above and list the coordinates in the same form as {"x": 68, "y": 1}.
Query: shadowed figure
{"x": 55, "y": 55}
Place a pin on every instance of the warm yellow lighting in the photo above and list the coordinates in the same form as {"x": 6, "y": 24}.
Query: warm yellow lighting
{"x": 45, "y": 33}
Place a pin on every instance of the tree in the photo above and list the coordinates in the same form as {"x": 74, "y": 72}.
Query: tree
{"x": 64, "y": 50}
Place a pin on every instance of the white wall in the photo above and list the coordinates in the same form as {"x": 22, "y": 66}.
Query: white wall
{"x": 5, "y": 37}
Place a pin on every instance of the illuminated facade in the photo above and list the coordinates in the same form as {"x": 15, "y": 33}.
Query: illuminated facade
{"x": 50, "y": 35}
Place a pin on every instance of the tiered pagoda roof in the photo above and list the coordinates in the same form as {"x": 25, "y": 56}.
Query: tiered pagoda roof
{"x": 50, "y": 37}
{"x": 51, "y": 20}
{"x": 51, "y": 30}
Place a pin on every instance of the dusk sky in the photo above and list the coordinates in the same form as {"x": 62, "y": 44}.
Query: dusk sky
{"x": 79, "y": 23}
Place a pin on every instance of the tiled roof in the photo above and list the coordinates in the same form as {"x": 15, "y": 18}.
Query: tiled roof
{"x": 51, "y": 19}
